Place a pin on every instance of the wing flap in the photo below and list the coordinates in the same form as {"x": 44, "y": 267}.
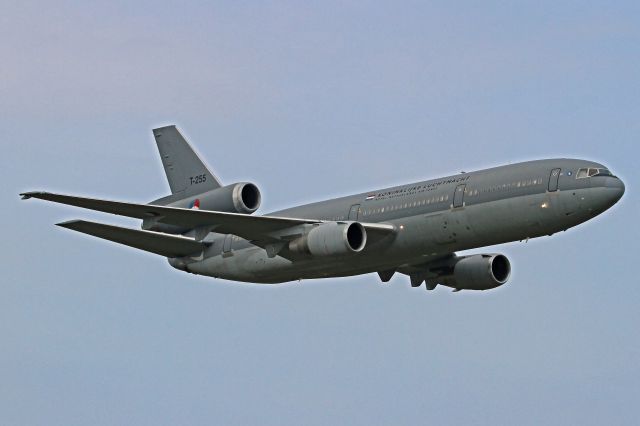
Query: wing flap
{"x": 162, "y": 244}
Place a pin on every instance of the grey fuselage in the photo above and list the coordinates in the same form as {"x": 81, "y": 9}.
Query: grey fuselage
{"x": 433, "y": 219}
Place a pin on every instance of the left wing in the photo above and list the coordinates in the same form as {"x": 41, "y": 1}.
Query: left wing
{"x": 261, "y": 230}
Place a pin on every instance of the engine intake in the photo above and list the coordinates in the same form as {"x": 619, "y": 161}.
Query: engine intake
{"x": 331, "y": 239}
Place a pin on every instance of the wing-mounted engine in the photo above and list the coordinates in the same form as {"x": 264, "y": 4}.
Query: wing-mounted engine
{"x": 481, "y": 272}
{"x": 331, "y": 239}
{"x": 476, "y": 272}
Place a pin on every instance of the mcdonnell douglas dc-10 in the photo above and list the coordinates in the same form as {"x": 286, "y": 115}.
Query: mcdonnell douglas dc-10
{"x": 206, "y": 228}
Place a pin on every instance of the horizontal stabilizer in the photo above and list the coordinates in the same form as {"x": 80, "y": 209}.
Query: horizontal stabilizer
{"x": 162, "y": 244}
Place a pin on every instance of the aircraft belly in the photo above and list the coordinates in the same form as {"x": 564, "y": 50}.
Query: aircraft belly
{"x": 248, "y": 265}
{"x": 253, "y": 265}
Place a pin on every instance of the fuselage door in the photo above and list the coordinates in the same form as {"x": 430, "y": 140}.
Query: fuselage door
{"x": 354, "y": 212}
{"x": 553, "y": 180}
{"x": 458, "y": 196}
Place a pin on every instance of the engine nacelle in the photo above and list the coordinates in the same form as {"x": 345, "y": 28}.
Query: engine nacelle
{"x": 243, "y": 197}
{"x": 480, "y": 272}
{"x": 331, "y": 239}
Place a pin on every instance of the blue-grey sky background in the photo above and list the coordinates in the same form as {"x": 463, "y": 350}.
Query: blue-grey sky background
{"x": 312, "y": 101}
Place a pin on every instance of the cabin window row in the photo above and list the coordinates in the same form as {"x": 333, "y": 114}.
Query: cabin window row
{"x": 510, "y": 186}
{"x": 424, "y": 202}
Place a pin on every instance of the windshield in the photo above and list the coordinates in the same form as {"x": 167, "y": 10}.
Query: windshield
{"x": 583, "y": 173}
{"x": 603, "y": 172}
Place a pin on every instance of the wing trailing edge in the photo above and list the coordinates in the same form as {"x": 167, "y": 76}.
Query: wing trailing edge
{"x": 153, "y": 242}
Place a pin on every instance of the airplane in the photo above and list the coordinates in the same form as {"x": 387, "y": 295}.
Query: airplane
{"x": 207, "y": 228}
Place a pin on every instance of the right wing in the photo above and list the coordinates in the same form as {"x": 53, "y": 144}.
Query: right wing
{"x": 154, "y": 242}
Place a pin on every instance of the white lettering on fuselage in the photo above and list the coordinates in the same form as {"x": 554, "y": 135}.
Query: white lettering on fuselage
{"x": 416, "y": 189}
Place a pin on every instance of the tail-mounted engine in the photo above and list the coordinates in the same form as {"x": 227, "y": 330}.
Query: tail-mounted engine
{"x": 243, "y": 197}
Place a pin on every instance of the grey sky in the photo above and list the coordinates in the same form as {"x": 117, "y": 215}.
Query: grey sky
{"x": 311, "y": 102}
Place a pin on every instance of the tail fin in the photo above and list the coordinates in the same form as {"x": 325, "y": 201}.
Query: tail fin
{"x": 186, "y": 173}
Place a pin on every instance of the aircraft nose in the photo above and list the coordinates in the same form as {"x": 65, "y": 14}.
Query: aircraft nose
{"x": 616, "y": 189}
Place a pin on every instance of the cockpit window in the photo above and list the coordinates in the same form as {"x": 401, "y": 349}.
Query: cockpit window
{"x": 603, "y": 172}
{"x": 583, "y": 173}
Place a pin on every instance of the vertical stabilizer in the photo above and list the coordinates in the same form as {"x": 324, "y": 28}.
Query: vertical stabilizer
{"x": 186, "y": 173}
